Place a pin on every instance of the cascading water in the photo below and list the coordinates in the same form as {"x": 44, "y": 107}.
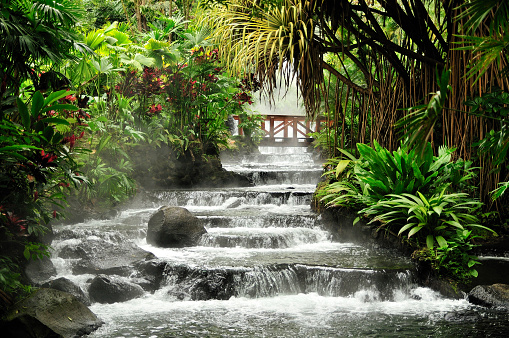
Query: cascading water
{"x": 266, "y": 268}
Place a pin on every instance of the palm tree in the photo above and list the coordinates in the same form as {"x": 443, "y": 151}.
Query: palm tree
{"x": 33, "y": 33}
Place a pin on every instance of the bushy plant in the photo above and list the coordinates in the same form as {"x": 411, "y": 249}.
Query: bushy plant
{"x": 427, "y": 220}
{"x": 38, "y": 167}
{"x": 379, "y": 173}
{"x": 420, "y": 195}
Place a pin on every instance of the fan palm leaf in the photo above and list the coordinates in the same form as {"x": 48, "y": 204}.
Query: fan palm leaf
{"x": 33, "y": 32}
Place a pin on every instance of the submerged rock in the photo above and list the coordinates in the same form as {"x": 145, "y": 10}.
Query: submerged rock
{"x": 113, "y": 289}
{"x": 49, "y": 313}
{"x": 174, "y": 227}
{"x": 459, "y": 317}
{"x": 496, "y": 295}
{"x": 65, "y": 285}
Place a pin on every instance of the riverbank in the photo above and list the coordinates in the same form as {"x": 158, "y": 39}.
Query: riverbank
{"x": 493, "y": 253}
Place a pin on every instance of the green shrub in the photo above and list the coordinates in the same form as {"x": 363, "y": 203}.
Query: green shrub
{"x": 420, "y": 195}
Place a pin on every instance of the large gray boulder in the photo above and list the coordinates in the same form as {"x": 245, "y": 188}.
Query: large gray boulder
{"x": 49, "y": 313}
{"x": 97, "y": 256}
{"x": 496, "y": 295}
{"x": 174, "y": 227}
{"x": 113, "y": 289}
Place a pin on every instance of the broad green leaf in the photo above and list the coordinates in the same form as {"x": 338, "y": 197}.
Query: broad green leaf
{"x": 406, "y": 227}
{"x": 26, "y": 253}
{"x": 48, "y": 133}
{"x": 23, "y": 112}
{"x": 103, "y": 66}
{"x": 429, "y": 241}
{"x": 341, "y": 167}
{"x": 441, "y": 241}
{"x": 18, "y": 147}
{"x": 58, "y": 107}
{"x": 37, "y": 104}
{"x": 55, "y": 120}
{"x": 347, "y": 154}
{"x": 414, "y": 231}
{"x": 153, "y": 44}
{"x": 438, "y": 209}
{"x": 94, "y": 39}
{"x": 57, "y": 96}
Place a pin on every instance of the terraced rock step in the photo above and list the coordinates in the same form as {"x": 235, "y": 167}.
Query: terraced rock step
{"x": 322, "y": 253}
{"x": 260, "y": 175}
{"x": 190, "y": 283}
{"x": 267, "y": 238}
{"x": 234, "y": 197}
{"x": 246, "y": 218}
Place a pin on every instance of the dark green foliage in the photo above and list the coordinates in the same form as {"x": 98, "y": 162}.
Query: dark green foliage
{"x": 378, "y": 173}
{"x": 423, "y": 196}
{"x": 37, "y": 169}
{"x": 32, "y": 32}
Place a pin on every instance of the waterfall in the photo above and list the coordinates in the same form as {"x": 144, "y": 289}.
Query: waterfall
{"x": 266, "y": 267}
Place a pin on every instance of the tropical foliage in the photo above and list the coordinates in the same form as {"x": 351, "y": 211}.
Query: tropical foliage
{"x": 79, "y": 97}
{"x": 423, "y": 197}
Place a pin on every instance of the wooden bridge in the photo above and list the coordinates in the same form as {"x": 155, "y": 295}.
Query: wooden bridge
{"x": 290, "y": 131}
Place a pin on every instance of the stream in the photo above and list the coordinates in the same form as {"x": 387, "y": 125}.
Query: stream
{"x": 267, "y": 267}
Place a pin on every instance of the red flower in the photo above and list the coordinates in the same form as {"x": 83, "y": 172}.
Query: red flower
{"x": 46, "y": 159}
{"x": 14, "y": 221}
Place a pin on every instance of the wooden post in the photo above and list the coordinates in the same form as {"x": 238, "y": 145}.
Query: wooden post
{"x": 271, "y": 132}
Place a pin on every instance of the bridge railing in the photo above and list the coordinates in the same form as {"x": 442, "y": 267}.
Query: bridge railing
{"x": 287, "y": 130}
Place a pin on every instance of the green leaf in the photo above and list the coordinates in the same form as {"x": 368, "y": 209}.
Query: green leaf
{"x": 429, "y": 241}
{"x": 26, "y": 253}
{"x": 18, "y": 147}
{"x": 57, "y": 96}
{"x": 341, "y": 167}
{"x": 104, "y": 65}
{"x": 37, "y": 104}
{"x": 441, "y": 241}
{"x": 154, "y": 44}
{"x": 55, "y": 120}
{"x": 414, "y": 231}
{"x": 48, "y": 133}
{"x": 406, "y": 227}
{"x": 23, "y": 112}
{"x": 438, "y": 209}
{"x": 474, "y": 273}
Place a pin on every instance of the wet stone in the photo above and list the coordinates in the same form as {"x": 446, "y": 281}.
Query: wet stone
{"x": 113, "y": 289}
{"x": 496, "y": 295}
